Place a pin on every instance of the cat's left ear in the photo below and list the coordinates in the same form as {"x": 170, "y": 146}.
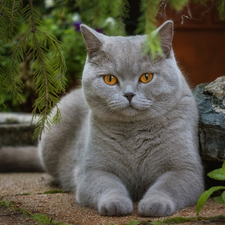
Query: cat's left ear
{"x": 93, "y": 40}
{"x": 165, "y": 32}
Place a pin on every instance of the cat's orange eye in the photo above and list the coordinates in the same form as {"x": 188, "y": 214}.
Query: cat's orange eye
{"x": 110, "y": 79}
{"x": 146, "y": 77}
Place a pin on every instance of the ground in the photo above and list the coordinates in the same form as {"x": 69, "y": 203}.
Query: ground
{"x": 27, "y": 193}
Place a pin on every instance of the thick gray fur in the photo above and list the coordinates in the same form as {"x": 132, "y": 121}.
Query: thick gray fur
{"x": 111, "y": 152}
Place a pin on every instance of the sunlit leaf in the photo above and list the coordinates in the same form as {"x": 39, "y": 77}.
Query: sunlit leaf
{"x": 220, "y": 199}
{"x": 223, "y": 167}
{"x": 217, "y": 174}
{"x": 203, "y": 198}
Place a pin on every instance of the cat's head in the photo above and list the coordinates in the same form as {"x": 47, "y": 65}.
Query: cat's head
{"x": 120, "y": 83}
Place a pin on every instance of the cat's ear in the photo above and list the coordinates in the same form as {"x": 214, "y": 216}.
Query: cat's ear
{"x": 165, "y": 32}
{"x": 92, "y": 39}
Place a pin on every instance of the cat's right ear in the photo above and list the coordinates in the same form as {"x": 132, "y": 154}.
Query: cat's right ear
{"x": 92, "y": 39}
{"x": 165, "y": 31}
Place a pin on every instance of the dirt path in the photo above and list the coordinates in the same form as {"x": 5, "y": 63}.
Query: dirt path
{"x": 26, "y": 191}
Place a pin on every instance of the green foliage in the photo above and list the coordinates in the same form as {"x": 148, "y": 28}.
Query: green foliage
{"x": 177, "y": 4}
{"x": 54, "y": 191}
{"x": 180, "y": 220}
{"x": 218, "y": 174}
{"x": 176, "y": 220}
{"x": 41, "y": 218}
{"x": 132, "y": 222}
{"x": 220, "y": 199}
{"x": 157, "y": 223}
{"x": 147, "y": 24}
{"x": 221, "y": 8}
{"x": 47, "y": 41}
{"x": 97, "y": 11}
{"x": 48, "y": 64}
{"x": 60, "y": 24}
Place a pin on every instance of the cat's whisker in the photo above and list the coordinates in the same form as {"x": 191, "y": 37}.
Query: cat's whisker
{"x": 104, "y": 112}
{"x": 107, "y": 114}
{"x": 92, "y": 100}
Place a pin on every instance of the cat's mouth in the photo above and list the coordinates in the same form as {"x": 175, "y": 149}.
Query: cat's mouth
{"x": 130, "y": 110}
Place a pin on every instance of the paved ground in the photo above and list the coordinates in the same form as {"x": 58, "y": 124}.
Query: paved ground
{"x": 63, "y": 207}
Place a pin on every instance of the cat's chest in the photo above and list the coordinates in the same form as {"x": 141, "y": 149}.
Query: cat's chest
{"x": 132, "y": 138}
{"x": 127, "y": 145}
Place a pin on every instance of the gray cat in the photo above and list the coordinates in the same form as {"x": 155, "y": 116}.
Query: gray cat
{"x": 130, "y": 133}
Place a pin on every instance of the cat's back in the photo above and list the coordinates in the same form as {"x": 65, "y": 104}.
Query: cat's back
{"x": 73, "y": 109}
{"x": 56, "y": 144}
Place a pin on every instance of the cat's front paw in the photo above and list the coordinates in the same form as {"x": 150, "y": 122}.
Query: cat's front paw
{"x": 115, "y": 206}
{"x": 156, "y": 206}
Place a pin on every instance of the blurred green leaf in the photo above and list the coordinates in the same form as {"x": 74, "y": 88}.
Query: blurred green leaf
{"x": 220, "y": 199}
{"x": 217, "y": 174}
{"x": 203, "y": 198}
{"x": 223, "y": 167}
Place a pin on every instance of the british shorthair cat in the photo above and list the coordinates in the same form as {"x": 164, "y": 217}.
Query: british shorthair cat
{"x": 130, "y": 133}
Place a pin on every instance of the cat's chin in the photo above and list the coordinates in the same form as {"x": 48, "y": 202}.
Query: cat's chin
{"x": 130, "y": 111}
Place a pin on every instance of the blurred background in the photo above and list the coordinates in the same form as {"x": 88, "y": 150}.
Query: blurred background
{"x": 199, "y": 43}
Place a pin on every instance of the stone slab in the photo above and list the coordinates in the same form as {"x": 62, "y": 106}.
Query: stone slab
{"x": 16, "y": 129}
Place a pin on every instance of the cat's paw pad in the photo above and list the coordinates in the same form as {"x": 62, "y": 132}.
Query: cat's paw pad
{"x": 115, "y": 206}
{"x": 156, "y": 206}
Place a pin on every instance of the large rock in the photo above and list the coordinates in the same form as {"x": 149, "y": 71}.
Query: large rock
{"x": 210, "y": 98}
{"x": 16, "y": 129}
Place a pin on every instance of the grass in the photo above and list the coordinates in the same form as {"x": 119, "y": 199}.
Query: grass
{"x": 180, "y": 220}
{"x": 41, "y": 218}
{"x": 46, "y": 192}
{"x": 53, "y": 191}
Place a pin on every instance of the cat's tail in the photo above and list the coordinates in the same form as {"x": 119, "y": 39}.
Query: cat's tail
{"x": 20, "y": 159}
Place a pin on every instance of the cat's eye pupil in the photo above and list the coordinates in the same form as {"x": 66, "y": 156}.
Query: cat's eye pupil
{"x": 110, "y": 79}
{"x": 146, "y": 77}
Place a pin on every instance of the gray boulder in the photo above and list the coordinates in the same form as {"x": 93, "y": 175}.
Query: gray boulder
{"x": 210, "y": 98}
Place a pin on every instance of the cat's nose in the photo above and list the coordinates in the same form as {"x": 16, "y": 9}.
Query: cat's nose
{"x": 129, "y": 96}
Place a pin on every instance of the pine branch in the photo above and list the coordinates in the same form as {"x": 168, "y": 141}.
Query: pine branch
{"x": 6, "y": 16}
{"x": 221, "y": 8}
{"x": 12, "y": 13}
{"x": 11, "y": 64}
{"x": 120, "y": 11}
{"x": 42, "y": 64}
{"x": 177, "y": 4}
{"x": 59, "y": 51}
{"x": 48, "y": 70}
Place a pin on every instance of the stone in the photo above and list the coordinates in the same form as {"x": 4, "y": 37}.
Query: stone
{"x": 16, "y": 129}
{"x": 210, "y": 98}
